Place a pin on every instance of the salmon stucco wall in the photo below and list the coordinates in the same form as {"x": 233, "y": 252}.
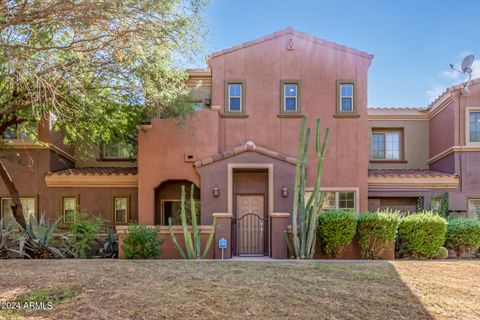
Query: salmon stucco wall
{"x": 161, "y": 154}
{"x": 317, "y": 67}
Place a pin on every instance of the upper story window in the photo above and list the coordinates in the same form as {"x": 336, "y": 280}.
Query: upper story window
{"x": 346, "y": 104}
{"x": 235, "y": 99}
{"x": 20, "y": 131}
{"x": 117, "y": 150}
{"x": 346, "y": 97}
{"x": 289, "y": 98}
{"x": 474, "y": 126}
{"x": 387, "y": 144}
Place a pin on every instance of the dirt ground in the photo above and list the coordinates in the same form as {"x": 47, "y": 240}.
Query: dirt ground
{"x": 156, "y": 289}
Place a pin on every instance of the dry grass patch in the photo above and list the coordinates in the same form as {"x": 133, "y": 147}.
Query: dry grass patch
{"x": 155, "y": 289}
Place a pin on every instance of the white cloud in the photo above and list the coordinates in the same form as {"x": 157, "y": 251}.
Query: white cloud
{"x": 435, "y": 91}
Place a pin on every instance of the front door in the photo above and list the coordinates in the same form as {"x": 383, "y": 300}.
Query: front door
{"x": 250, "y": 223}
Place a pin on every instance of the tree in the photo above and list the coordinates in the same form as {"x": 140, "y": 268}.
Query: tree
{"x": 94, "y": 68}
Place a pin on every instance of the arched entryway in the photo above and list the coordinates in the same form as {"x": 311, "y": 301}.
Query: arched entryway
{"x": 168, "y": 200}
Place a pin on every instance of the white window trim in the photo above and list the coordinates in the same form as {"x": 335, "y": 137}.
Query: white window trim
{"x": 356, "y": 191}
{"x": 9, "y": 198}
{"x": 400, "y": 147}
{"x": 342, "y": 96}
{"x": 468, "y": 205}
{"x": 239, "y": 96}
{"x": 285, "y": 96}
{"x": 468, "y": 110}
{"x": 127, "y": 209}
{"x": 63, "y": 208}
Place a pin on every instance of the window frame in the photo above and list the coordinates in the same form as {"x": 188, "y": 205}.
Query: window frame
{"x": 77, "y": 206}
{"x": 18, "y": 127}
{"x": 337, "y": 191}
{"x": 469, "y": 213}
{"x": 346, "y": 114}
{"x": 103, "y": 157}
{"x": 114, "y": 209}
{"x": 35, "y": 197}
{"x": 468, "y": 111}
{"x": 401, "y": 150}
{"x": 283, "y": 113}
{"x": 242, "y": 113}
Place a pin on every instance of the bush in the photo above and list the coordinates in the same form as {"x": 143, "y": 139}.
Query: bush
{"x": 422, "y": 234}
{"x": 442, "y": 253}
{"x": 336, "y": 229}
{"x": 463, "y": 235}
{"x": 84, "y": 236}
{"x": 376, "y": 232}
{"x": 141, "y": 242}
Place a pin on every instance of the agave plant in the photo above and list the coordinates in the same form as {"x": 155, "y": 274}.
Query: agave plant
{"x": 39, "y": 242}
{"x": 109, "y": 247}
{"x": 9, "y": 236}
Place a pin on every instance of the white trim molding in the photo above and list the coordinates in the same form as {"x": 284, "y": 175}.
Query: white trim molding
{"x": 469, "y": 110}
{"x": 414, "y": 182}
{"x": 91, "y": 181}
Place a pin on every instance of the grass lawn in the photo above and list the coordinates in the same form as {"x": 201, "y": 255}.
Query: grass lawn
{"x": 155, "y": 289}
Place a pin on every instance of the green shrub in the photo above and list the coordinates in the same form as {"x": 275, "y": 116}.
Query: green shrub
{"x": 463, "y": 235}
{"x": 336, "y": 229}
{"x": 376, "y": 232}
{"x": 442, "y": 253}
{"x": 84, "y": 235}
{"x": 422, "y": 234}
{"x": 141, "y": 242}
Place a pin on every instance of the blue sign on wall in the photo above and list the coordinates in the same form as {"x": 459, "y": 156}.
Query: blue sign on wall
{"x": 222, "y": 243}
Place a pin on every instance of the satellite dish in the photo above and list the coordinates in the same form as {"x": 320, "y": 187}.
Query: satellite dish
{"x": 466, "y": 69}
{"x": 467, "y": 63}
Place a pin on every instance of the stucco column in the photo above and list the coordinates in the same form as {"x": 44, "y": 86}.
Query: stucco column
{"x": 223, "y": 229}
{"x": 278, "y": 226}
{"x": 121, "y": 231}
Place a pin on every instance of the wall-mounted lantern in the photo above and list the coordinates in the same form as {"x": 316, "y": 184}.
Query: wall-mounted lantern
{"x": 216, "y": 191}
{"x": 284, "y": 192}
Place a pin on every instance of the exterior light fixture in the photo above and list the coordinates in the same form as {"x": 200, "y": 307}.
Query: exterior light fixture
{"x": 216, "y": 191}
{"x": 284, "y": 192}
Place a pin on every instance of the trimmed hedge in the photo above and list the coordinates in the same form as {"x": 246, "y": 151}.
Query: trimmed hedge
{"x": 422, "y": 234}
{"x": 376, "y": 232}
{"x": 336, "y": 229}
{"x": 463, "y": 235}
{"x": 141, "y": 242}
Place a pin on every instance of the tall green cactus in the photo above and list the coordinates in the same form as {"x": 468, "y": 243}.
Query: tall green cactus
{"x": 307, "y": 213}
{"x": 193, "y": 249}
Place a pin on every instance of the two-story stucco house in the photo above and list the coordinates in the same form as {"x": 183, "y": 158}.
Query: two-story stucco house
{"x": 239, "y": 148}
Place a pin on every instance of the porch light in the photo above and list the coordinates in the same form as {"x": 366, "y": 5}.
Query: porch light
{"x": 284, "y": 192}
{"x": 216, "y": 191}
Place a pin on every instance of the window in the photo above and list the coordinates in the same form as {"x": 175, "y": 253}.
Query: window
{"x": 338, "y": 200}
{"x": 120, "y": 209}
{"x": 474, "y": 126}
{"x": 171, "y": 209}
{"x": 29, "y": 206}
{"x": 386, "y": 145}
{"x": 346, "y": 97}
{"x": 435, "y": 204}
{"x": 117, "y": 150}
{"x": 20, "y": 131}
{"x": 235, "y": 97}
{"x": 474, "y": 208}
{"x": 69, "y": 209}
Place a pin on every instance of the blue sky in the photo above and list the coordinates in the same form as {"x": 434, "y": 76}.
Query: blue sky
{"x": 413, "y": 41}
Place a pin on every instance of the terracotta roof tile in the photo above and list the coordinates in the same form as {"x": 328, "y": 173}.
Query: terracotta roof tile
{"x": 248, "y": 147}
{"x": 408, "y": 173}
{"x": 101, "y": 171}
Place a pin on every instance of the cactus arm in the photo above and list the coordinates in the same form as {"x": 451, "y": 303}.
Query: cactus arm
{"x": 174, "y": 239}
{"x": 209, "y": 240}
{"x": 296, "y": 244}
{"x": 289, "y": 245}
{"x": 303, "y": 210}
{"x": 186, "y": 234}
{"x": 196, "y": 232}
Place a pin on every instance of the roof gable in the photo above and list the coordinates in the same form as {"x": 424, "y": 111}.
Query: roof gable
{"x": 290, "y": 31}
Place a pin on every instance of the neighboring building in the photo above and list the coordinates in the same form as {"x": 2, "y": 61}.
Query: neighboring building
{"x": 239, "y": 149}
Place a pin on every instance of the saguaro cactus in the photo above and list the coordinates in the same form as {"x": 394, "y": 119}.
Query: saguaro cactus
{"x": 192, "y": 249}
{"x": 306, "y": 214}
